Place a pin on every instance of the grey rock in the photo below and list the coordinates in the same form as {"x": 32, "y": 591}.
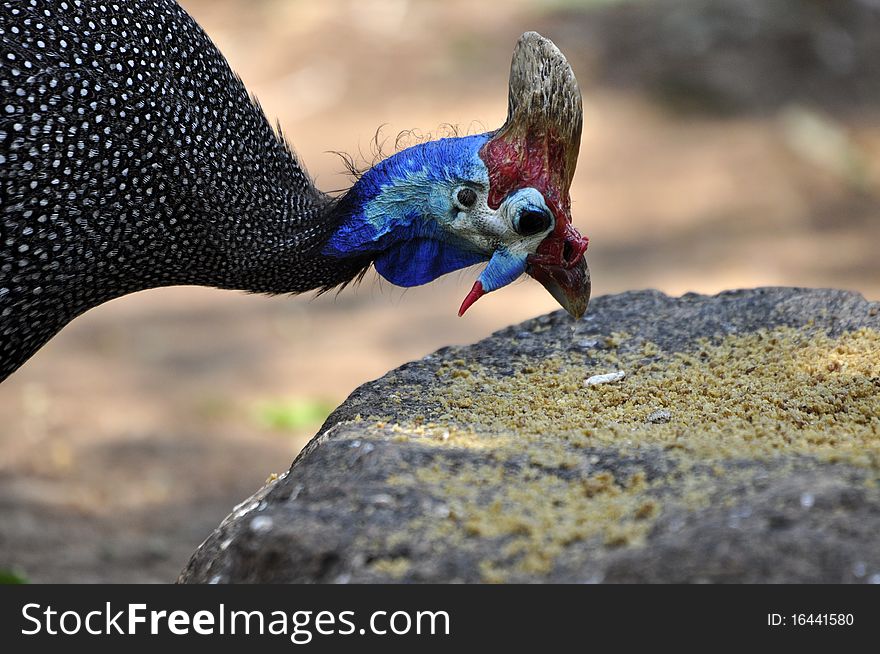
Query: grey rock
{"x": 368, "y": 501}
{"x": 773, "y": 538}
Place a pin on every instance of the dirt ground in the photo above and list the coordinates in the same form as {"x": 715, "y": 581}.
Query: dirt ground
{"x": 127, "y": 439}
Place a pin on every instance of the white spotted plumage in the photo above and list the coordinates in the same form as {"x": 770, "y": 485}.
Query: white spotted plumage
{"x": 132, "y": 157}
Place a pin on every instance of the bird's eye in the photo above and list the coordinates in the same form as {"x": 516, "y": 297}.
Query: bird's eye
{"x": 531, "y": 222}
{"x": 466, "y": 197}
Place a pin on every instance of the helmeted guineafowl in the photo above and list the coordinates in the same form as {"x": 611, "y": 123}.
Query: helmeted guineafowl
{"x": 132, "y": 157}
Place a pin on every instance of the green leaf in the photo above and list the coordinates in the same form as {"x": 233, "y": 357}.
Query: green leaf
{"x": 10, "y": 577}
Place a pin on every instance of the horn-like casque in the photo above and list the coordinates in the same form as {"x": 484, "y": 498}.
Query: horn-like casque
{"x": 544, "y": 95}
{"x": 542, "y": 134}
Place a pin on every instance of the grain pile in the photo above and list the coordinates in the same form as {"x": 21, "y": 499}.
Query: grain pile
{"x": 781, "y": 395}
{"x": 747, "y": 395}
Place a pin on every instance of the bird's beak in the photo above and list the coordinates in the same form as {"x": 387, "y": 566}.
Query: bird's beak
{"x": 570, "y": 286}
{"x": 561, "y": 267}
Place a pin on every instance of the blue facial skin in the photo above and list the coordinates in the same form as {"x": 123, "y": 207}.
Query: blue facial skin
{"x": 397, "y": 210}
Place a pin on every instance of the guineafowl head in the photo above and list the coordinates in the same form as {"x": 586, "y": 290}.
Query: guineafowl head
{"x": 500, "y": 197}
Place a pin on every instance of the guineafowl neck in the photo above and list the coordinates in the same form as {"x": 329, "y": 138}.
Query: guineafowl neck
{"x": 135, "y": 159}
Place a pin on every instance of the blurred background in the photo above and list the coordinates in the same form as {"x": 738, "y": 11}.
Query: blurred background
{"x": 727, "y": 143}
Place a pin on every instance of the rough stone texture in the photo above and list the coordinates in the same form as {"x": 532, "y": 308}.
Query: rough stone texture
{"x": 353, "y": 509}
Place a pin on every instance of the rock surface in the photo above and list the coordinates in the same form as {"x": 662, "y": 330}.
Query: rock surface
{"x": 742, "y": 444}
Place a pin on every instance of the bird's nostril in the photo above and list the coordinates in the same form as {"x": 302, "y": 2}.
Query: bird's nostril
{"x": 567, "y": 251}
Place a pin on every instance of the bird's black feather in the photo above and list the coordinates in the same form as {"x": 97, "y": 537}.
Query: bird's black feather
{"x": 132, "y": 157}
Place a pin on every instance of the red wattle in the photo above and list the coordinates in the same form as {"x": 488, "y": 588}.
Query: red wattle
{"x": 476, "y": 293}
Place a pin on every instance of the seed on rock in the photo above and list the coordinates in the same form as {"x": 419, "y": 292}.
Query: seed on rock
{"x": 659, "y": 416}
{"x": 588, "y": 343}
{"x": 608, "y": 378}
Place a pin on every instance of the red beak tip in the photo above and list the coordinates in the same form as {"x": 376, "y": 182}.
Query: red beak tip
{"x": 475, "y": 294}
